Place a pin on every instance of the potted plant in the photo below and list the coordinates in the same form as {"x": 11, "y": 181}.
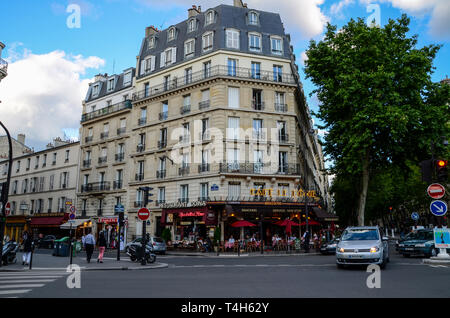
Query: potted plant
{"x": 216, "y": 242}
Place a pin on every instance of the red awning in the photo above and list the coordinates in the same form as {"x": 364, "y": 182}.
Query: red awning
{"x": 47, "y": 221}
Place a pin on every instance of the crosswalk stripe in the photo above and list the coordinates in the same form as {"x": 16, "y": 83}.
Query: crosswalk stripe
{"x": 21, "y": 286}
{"x": 27, "y": 281}
{"x": 16, "y": 291}
{"x": 30, "y": 277}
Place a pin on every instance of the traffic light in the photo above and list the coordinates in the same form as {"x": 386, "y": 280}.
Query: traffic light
{"x": 441, "y": 170}
{"x": 426, "y": 168}
{"x": 146, "y": 194}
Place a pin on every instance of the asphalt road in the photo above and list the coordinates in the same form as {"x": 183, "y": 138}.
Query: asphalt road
{"x": 256, "y": 277}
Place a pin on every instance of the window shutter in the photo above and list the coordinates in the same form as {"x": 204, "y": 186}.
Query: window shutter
{"x": 142, "y": 70}
{"x": 233, "y": 97}
{"x": 152, "y": 63}
{"x": 60, "y": 179}
{"x": 174, "y": 55}
{"x": 163, "y": 59}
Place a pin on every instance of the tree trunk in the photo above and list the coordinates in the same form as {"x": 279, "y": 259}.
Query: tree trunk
{"x": 363, "y": 193}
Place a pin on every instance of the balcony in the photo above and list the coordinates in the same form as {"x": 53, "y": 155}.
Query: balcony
{"x": 215, "y": 71}
{"x": 119, "y": 157}
{"x": 140, "y": 147}
{"x": 121, "y": 131}
{"x": 183, "y": 200}
{"x": 259, "y": 168}
{"x": 203, "y": 105}
{"x": 162, "y": 144}
{"x": 142, "y": 121}
{"x": 138, "y": 204}
{"x": 283, "y": 138}
{"x": 204, "y": 136}
{"x": 258, "y": 105}
{"x": 87, "y": 163}
{"x": 259, "y": 135}
{"x": 139, "y": 177}
{"x": 185, "y": 109}
{"x": 107, "y": 110}
{"x": 117, "y": 184}
{"x": 96, "y": 187}
{"x": 203, "y": 199}
{"x": 185, "y": 139}
{"x": 281, "y": 107}
{"x": 3, "y": 68}
{"x": 102, "y": 160}
{"x": 163, "y": 115}
{"x": 158, "y": 202}
{"x": 203, "y": 167}
{"x": 184, "y": 170}
{"x": 160, "y": 174}
{"x": 104, "y": 135}
{"x": 88, "y": 139}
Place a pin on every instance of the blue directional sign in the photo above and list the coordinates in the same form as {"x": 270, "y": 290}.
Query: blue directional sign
{"x": 119, "y": 208}
{"x": 415, "y": 216}
{"x": 438, "y": 208}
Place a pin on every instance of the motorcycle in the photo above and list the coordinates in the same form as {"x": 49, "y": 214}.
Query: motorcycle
{"x": 135, "y": 254}
{"x": 9, "y": 252}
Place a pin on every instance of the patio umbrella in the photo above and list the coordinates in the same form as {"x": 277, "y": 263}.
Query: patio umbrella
{"x": 312, "y": 222}
{"x": 242, "y": 223}
{"x": 288, "y": 224}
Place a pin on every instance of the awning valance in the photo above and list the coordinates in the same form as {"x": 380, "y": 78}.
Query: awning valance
{"x": 47, "y": 221}
{"x": 75, "y": 224}
{"x": 325, "y": 216}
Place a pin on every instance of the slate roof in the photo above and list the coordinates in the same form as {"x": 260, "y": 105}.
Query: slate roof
{"x": 103, "y": 85}
{"x": 227, "y": 16}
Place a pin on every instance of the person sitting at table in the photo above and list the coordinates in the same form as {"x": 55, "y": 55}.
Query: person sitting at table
{"x": 231, "y": 242}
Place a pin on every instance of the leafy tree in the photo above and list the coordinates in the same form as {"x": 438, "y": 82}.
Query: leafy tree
{"x": 378, "y": 102}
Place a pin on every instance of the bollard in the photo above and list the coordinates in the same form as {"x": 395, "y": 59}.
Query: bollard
{"x": 31, "y": 257}
{"x": 218, "y": 246}
{"x": 239, "y": 248}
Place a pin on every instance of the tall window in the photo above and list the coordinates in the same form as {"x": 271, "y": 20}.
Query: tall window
{"x": 110, "y": 85}
{"x": 257, "y": 128}
{"x": 276, "y": 45}
{"x": 256, "y": 70}
{"x": 188, "y": 75}
{"x": 255, "y": 42}
{"x": 233, "y": 128}
{"x": 50, "y": 205}
{"x": 204, "y": 194}
{"x": 207, "y": 69}
{"x": 232, "y": 64}
{"x": 277, "y": 73}
{"x": 184, "y": 193}
{"x": 147, "y": 89}
{"x": 209, "y": 17}
{"x": 189, "y": 48}
{"x": 233, "y": 97}
{"x": 258, "y": 161}
{"x": 234, "y": 190}
{"x": 232, "y": 39}
{"x": 282, "y": 162}
{"x": 192, "y": 25}
{"x": 161, "y": 194}
{"x": 253, "y": 18}
{"x": 171, "y": 35}
{"x": 208, "y": 41}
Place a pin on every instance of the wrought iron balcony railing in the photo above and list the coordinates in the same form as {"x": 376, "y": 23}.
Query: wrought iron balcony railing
{"x": 259, "y": 168}
{"x": 183, "y": 170}
{"x": 140, "y": 148}
{"x": 258, "y": 105}
{"x": 215, "y": 71}
{"x": 107, "y": 110}
{"x": 121, "y": 130}
{"x": 282, "y": 138}
{"x": 185, "y": 109}
{"x": 104, "y": 135}
{"x": 142, "y": 121}
{"x": 163, "y": 115}
{"x": 281, "y": 107}
{"x": 86, "y": 163}
{"x": 160, "y": 174}
{"x": 88, "y": 139}
{"x": 162, "y": 144}
{"x": 96, "y": 186}
{"x": 120, "y": 157}
{"x": 139, "y": 177}
{"x": 102, "y": 160}
{"x": 203, "y": 105}
{"x": 204, "y": 167}
{"x": 117, "y": 184}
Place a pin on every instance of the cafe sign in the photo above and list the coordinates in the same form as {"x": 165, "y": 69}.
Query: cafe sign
{"x": 283, "y": 193}
{"x": 191, "y": 214}
{"x": 177, "y": 205}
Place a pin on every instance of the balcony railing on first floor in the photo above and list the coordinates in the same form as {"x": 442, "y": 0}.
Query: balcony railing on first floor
{"x": 138, "y": 204}
{"x": 162, "y": 144}
{"x": 215, "y": 71}
{"x": 88, "y": 139}
{"x": 185, "y": 109}
{"x": 96, "y": 186}
{"x": 86, "y": 163}
{"x": 281, "y": 107}
{"x": 160, "y": 174}
{"x": 120, "y": 157}
{"x": 258, "y": 105}
{"x": 142, "y": 121}
{"x": 118, "y": 184}
{"x": 102, "y": 160}
{"x": 106, "y": 111}
{"x": 204, "y": 167}
{"x": 203, "y": 105}
{"x": 259, "y": 168}
{"x": 121, "y": 130}
{"x": 139, "y": 177}
{"x": 183, "y": 170}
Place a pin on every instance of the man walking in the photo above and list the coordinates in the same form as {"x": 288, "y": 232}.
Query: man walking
{"x": 89, "y": 243}
{"x": 306, "y": 240}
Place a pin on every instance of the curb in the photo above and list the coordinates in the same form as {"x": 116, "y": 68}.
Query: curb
{"x": 85, "y": 269}
{"x": 244, "y": 255}
{"x": 436, "y": 262}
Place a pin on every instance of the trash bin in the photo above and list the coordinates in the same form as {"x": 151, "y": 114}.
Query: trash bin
{"x": 62, "y": 247}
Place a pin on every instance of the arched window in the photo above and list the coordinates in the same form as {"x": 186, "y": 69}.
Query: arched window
{"x": 171, "y": 35}
{"x": 253, "y": 18}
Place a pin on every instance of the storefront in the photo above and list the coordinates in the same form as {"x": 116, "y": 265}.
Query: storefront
{"x": 15, "y": 226}
{"x": 79, "y": 227}
{"x": 109, "y": 227}
{"x": 48, "y": 224}
{"x": 190, "y": 223}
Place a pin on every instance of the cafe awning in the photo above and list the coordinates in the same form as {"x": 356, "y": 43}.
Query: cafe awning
{"x": 47, "y": 221}
{"x": 75, "y": 224}
{"x": 324, "y": 216}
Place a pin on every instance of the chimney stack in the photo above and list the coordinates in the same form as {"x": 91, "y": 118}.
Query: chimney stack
{"x": 151, "y": 30}
{"x": 192, "y": 12}
{"x": 240, "y": 4}
{"x": 21, "y": 138}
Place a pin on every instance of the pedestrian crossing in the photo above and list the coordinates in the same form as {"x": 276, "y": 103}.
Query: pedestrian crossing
{"x": 17, "y": 284}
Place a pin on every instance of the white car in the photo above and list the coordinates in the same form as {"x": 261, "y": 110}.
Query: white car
{"x": 362, "y": 246}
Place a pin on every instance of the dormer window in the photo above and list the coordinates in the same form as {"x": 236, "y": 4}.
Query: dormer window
{"x": 209, "y": 17}
{"x": 95, "y": 90}
{"x": 151, "y": 43}
{"x": 232, "y": 39}
{"x": 276, "y": 45}
{"x": 254, "y": 40}
{"x": 253, "y": 18}
{"x": 189, "y": 48}
{"x": 110, "y": 86}
{"x": 192, "y": 25}
{"x": 127, "y": 78}
{"x": 207, "y": 41}
{"x": 171, "y": 34}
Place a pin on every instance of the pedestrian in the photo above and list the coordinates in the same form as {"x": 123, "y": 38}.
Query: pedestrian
{"x": 27, "y": 247}
{"x": 101, "y": 247}
{"x": 82, "y": 240}
{"x": 306, "y": 238}
{"x": 209, "y": 244}
{"x": 89, "y": 242}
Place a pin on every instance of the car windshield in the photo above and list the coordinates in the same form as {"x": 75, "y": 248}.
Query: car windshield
{"x": 421, "y": 235}
{"x": 158, "y": 240}
{"x": 360, "y": 235}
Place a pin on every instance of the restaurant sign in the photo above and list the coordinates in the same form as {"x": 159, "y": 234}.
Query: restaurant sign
{"x": 191, "y": 214}
{"x": 283, "y": 193}
{"x": 176, "y": 205}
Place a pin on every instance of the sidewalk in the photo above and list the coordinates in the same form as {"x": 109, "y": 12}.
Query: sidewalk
{"x": 49, "y": 262}
{"x": 245, "y": 254}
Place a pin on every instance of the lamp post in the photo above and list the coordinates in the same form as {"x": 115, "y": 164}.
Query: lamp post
{"x": 5, "y": 192}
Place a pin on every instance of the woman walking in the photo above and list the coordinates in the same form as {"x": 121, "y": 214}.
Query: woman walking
{"x": 101, "y": 247}
{"x": 27, "y": 247}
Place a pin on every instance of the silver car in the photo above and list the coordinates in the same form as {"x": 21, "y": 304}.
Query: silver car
{"x": 362, "y": 246}
{"x": 156, "y": 244}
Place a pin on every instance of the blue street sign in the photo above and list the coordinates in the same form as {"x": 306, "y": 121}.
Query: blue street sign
{"x": 119, "y": 208}
{"x": 438, "y": 208}
{"x": 72, "y": 216}
{"x": 214, "y": 187}
{"x": 415, "y": 216}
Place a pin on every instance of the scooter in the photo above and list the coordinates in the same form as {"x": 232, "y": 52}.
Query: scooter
{"x": 9, "y": 252}
{"x": 135, "y": 253}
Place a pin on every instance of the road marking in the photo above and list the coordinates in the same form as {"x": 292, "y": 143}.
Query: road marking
{"x": 18, "y": 291}
{"x": 22, "y": 286}
{"x": 28, "y": 276}
{"x": 27, "y": 281}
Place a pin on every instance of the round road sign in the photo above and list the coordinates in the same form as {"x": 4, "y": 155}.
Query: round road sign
{"x": 436, "y": 191}
{"x": 438, "y": 208}
{"x": 415, "y": 216}
{"x": 143, "y": 214}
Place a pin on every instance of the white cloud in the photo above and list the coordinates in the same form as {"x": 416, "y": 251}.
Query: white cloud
{"x": 301, "y": 17}
{"x": 336, "y": 8}
{"x": 303, "y": 58}
{"x": 439, "y": 10}
{"x": 42, "y": 94}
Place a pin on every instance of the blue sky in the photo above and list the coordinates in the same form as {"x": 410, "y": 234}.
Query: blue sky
{"x": 112, "y": 31}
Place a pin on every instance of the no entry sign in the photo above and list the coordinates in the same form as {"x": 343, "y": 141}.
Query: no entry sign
{"x": 143, "y": 214}
{"x": 436, "y": 191}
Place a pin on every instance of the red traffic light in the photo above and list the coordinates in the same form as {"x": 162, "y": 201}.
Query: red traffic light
{"x": 390, "y": 208}
{"x": 442, "y": 163}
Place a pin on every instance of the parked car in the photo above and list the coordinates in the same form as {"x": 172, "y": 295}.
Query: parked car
{"x": 362, "y": 246}
{"x": 329, "y": 247}
{"x": 47, "y": 241}
{"x": 157, "y": 244}
{"x": 420, "y": 242}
